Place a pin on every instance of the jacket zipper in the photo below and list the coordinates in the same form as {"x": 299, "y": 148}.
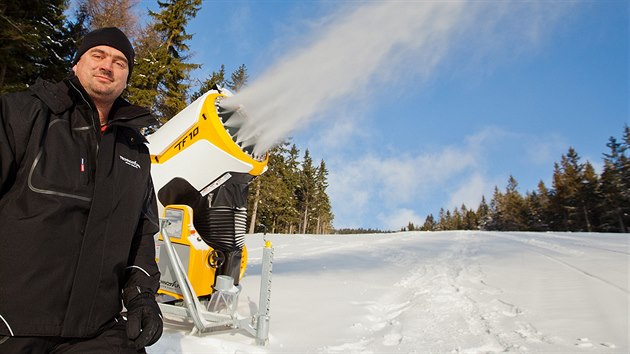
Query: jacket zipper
{"x": 85, "y": 170}
{"x": 96, "y": 130}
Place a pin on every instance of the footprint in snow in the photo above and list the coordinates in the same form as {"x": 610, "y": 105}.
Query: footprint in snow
{"x": 608, "y": 345}
{"x": 584, "y": 343}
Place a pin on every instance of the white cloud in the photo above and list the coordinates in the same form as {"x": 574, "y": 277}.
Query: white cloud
{"x": 395, "y": 219}
{"x": 364, "y": 189}
{"x": 361, "y": 187}
{"x": 344, "y": 129}
{"x": 398, "y": 179}
{"x": 470, "y": 191}
{"x": 239, "y": 27}
{"x": 546, "y": 149}
{"x": 486, "y": 135}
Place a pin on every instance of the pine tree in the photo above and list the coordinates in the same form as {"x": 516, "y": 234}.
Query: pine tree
{"x": 37, "y": 41}
{"x": 292, "y": 179}
{"x": 323, "y": 213}
{"x": 173, "y": 71}
{"x": 575, "y": 197}
{"x": 277, "y": 208}
{"x": 543, "y": 206}
{"x": 614, "y": 204}
{"x": 483, "y": 214}
{"x": 590, "y": 198}
{"x": 148, "y": 70}
{"x": 557, "y": 215}
{"x": 566, "y": 184}
{"x": 494, "y": 220}
{"x": 80, "y": 27}
{"x": 442, "y": 223}
{"x": 305, "y": 191}
{"x": 512, "y": 207}
{"x": 534, "y": 211}
{"x": 456, "y": 222}
{"x": 469, "y": 218}
{"x": 273, "y": 196}
{"x": 238, "y": 79}
{"x": 429, "y": 223}
{"x": 217, "y": 78}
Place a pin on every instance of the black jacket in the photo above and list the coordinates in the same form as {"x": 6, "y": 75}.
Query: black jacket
{"x": 77, "y": 211}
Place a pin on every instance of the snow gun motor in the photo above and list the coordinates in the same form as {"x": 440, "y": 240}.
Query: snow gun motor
{"x": 201, "y": 173}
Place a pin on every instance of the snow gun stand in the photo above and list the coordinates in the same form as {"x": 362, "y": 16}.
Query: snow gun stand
{"x": 192, "y": 289}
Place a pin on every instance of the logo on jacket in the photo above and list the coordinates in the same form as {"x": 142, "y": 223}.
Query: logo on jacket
{"x": 129, "y": 162}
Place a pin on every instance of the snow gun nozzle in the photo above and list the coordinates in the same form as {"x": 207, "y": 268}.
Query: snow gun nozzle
{"x": 233, "y": 116}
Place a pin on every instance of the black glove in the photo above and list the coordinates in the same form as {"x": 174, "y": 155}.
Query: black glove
{"x": 144, "y": 318}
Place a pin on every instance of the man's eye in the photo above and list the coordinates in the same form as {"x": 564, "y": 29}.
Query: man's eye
{"x": 121, "y": 64}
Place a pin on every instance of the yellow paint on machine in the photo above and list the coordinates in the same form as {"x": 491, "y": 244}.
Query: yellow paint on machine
{"x": 210, "y": 128}
{"x": 198, "y": 263}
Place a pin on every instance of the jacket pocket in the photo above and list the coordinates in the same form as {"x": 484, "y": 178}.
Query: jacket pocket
{"x": 62, "y": 165}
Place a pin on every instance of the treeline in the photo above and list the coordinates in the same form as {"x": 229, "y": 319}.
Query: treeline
{"x": 40, "y": 40}
{"x": 291, "y": 196}
{"x": 350, "y": 231}
{"x": 578, "y": 200}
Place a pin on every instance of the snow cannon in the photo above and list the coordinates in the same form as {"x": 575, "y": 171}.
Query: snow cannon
{"x": 198, "y": 161}
{"x": 199, "y": 148}
{"x": 201, "y": 173}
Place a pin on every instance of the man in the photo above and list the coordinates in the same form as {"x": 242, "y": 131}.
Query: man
{"x": 78, "y": 211}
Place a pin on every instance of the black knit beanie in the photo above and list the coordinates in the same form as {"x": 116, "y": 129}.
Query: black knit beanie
{"x": 109, "y": 36}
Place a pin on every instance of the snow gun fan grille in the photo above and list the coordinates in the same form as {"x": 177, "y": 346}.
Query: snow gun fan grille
{"x": 233, "y": 119}
{"x": 223, "y": 228}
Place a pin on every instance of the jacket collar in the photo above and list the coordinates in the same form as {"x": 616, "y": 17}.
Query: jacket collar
{"x": 55, "y": 96}
{"x": 63, "y": 95}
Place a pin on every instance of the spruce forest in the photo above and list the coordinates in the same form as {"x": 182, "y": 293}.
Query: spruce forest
{"x": 39, "y": 40}
{"x": 578, "y": 200}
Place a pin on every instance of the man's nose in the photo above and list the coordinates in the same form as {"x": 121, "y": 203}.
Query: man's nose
{"x": 107, "y": 64}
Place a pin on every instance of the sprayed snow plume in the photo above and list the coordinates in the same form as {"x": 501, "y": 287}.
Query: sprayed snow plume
{"x": 374, "y": 43}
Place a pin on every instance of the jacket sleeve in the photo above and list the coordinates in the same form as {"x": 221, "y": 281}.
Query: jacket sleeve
{"x": 143, "y": 272}
{"x": 8, "y": 162}
{"x": 19, "y": 113}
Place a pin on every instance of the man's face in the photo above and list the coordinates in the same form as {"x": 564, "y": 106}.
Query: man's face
{"x": 102, "y": 71}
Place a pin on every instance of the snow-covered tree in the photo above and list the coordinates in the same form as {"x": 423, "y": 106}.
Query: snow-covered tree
{"x": 37, "y": 41}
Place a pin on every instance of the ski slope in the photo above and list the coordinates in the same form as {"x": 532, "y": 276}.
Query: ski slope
{"x": 435, "y": 292}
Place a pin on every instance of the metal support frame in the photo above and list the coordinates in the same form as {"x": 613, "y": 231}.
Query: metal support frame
{"x": 206, "y": 321}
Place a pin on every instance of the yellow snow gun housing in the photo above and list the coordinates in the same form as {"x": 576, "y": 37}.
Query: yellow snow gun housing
{"x": 199, "y": 162}
{"x": 201, "y": 260}
{"x": 201, "y": 172}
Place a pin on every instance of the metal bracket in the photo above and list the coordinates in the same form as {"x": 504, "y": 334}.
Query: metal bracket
{"x": 205, "y": 321}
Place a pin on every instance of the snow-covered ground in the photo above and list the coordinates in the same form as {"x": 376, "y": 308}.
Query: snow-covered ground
{"x": 440, "y": 292}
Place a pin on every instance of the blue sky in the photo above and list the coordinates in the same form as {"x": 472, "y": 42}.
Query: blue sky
{"x": 464, "y": 95}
